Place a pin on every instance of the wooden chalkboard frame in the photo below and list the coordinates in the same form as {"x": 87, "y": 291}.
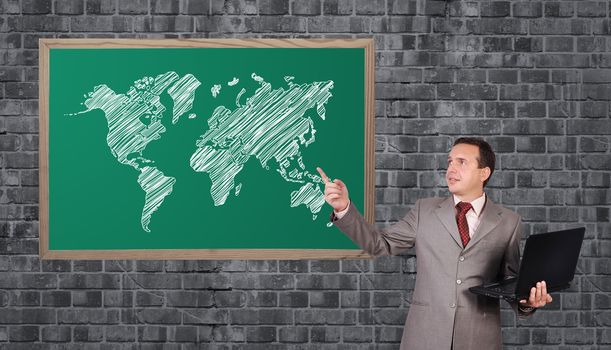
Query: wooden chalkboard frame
{"x": 202, "y": 254}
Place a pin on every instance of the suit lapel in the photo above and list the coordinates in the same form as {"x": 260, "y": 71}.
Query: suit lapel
{"x": 447, "y": 216}
{"x": 490, "y": 218}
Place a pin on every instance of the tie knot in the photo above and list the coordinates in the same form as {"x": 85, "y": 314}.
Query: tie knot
{"x": 463, "y": 207}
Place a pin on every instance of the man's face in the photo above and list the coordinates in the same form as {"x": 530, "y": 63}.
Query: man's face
{"x": 463, "y": 176}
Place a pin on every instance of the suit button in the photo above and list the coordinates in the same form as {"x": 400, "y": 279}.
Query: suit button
{"x": 462, "y": 258}
{"x": 452, "y": 305}
{"x": 458, "y": 281}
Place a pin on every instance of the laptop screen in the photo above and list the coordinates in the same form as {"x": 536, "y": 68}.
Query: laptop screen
{"x": 550, "y": 257}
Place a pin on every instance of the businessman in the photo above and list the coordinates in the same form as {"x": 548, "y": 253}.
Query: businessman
{"x": 461, "y": 241}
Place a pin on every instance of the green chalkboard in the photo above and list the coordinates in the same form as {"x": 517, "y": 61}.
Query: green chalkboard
{"x": 201, "y": 149}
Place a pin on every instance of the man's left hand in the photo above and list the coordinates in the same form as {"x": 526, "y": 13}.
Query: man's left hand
{"x": 538, "y": 296}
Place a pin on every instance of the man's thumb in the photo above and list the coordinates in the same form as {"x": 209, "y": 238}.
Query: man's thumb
{"x": 340, "y": 183}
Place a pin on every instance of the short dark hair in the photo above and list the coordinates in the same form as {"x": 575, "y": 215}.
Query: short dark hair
{"x": 486, "y": 155}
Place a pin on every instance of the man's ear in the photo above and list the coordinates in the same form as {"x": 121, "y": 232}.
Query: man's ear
{"x": 485, "y": 173}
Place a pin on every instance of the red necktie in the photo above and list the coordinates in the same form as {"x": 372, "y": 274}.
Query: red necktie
{"x": 461, "y": 220}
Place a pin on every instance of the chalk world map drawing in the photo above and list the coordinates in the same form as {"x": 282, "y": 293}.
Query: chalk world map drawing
{"x": 270, "y": 125}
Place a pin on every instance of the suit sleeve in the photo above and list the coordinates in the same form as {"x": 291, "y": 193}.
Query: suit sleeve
{"x": 389, "y": 241}
{"x": 511, "y": 264}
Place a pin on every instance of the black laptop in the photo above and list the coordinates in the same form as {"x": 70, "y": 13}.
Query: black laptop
{"x": 550, "y": 257}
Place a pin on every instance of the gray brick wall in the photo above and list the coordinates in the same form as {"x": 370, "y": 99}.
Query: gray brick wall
{"x": 532, "y": 77}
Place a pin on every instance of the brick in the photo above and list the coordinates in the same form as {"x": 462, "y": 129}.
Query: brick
{"x": 306, "y": 7}
{"x": 165, "y": 7}
{"x": 530, "y": 144}
{"x": 23, "y": 333}
{"x": 133, "y": 7}
{"x": 588, "y": 127}
{"x": 466, "y": 92}
{"x": 368, "y": 7}
{"x": 591, "y": 44}
{"x": 10, "y": 74}
{"x": 559, "y": 9}
{"x": 357, "y": 334}
{"x": 261, "y": 299}
{"x": 500, "y": 110}
{"x": 326, "y": 282}
{"x": 401, "y": 24}
{"x": 594, "y": 109}
{"x": 102, "y": 24}
{"x": 546, "y": 336}
{"x": 464, "y": 9}
{"x": 560, "y": 26}
{"x": 395, "y": 75}
{"x": 503, "y": 76}
{"x": 152, "y": 334}
{"x": 37, "y": 23}
{"x": 325, "y": 334}
{"x": 56, "y": 334}
{"x": 324, "y": 266}
{"x": 21, "y": 90}
{"x": 101, "y": 7}
{"x": 324, "y": 299}
{"x": 346, "y": 7}
{"x": 530, "y": 92}
{"x": 432, "y": 42}
{"x": 120, "y": 333}
{"x": 594, "y": 144}
{"x": 531, "y": 180}
{"x": 497, "y": 26}
{"x": 402, "y": 109}
{"x": 88, "y": 333}
{"x": 293, "y": 334}
{"x": 118, "y": 299}
{"x": 495, "y": 44}
{"x": 595, "y": 179}
{"x": 262, "y": 281}
{"x": 495, "y": 9}
{"x": 69, "y": 7}
{"x": 188, "y": 334}
{"x": 461, "y": 43}
{"x": 564, "y": 179}
{"x": 162, "y": 24}
{"x": 28, "y": 316}
{"x": 592, "y": 9}
{"x": 36, "y": 6}
{"x": 579, "y": 336}
{"x": 563, "y": 60}
{"x": 528, "y": 44}
{"x": 404, "y": 91}
{"x": 527, "y": 9}
{"x": 293, "y": 266}
{"x": 323, "y": 316}
{"x": 260, "y": 334}
{"x": 559, "y": 44}
{"x": 532, "y": 109}
{"x": 535, "y": 76}
{"x": 435, "y": 8}
{"x": 84, "y": 281}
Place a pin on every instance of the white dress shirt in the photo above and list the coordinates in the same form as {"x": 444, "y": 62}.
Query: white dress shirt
{"x": 473, "y": 215}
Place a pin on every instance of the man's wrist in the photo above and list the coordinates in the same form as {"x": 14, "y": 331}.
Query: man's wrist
{"x": 339, "y": 214}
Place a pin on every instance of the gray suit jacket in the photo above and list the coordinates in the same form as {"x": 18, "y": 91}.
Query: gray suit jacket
{"x": 443, "y": 313}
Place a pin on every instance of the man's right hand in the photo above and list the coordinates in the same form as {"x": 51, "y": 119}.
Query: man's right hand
{"x": 336, "y": 192}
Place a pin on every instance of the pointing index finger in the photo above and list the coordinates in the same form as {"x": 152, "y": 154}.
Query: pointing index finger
{"x": 324, "y": 176}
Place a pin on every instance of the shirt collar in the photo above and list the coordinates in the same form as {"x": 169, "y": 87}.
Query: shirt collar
{"x": 477, "y": 204}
